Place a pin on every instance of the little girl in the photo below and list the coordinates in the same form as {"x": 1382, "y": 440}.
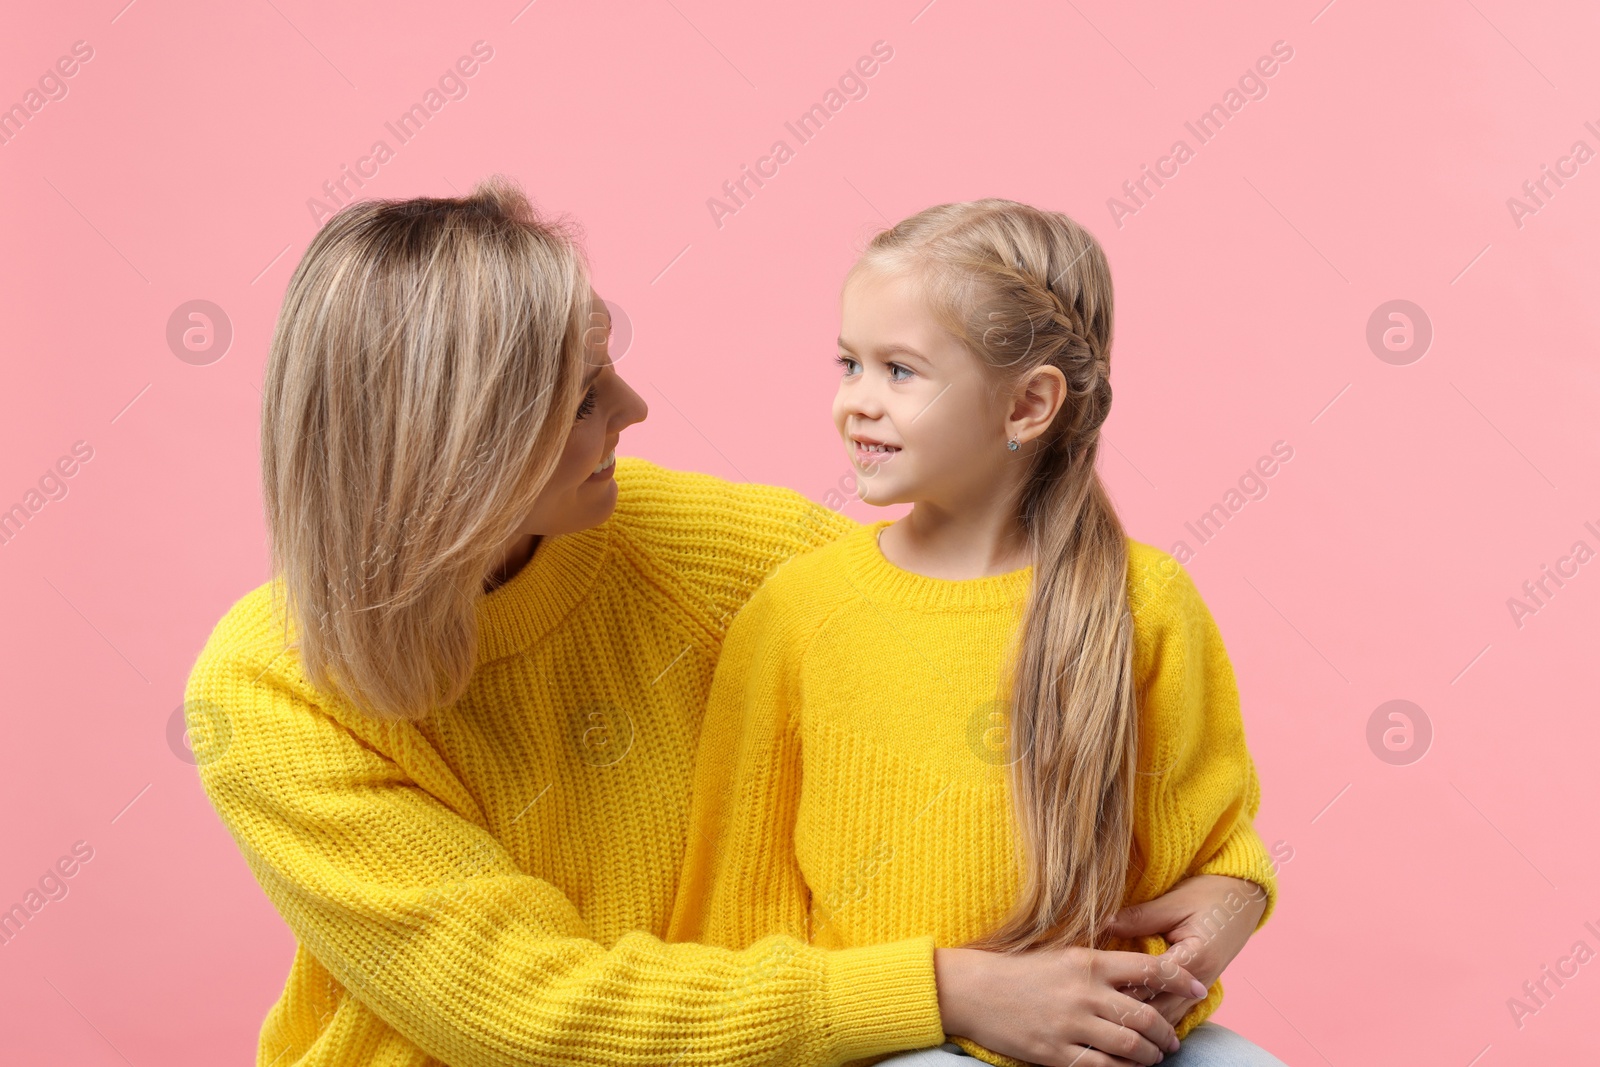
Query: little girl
{"x": 999, "y": 719}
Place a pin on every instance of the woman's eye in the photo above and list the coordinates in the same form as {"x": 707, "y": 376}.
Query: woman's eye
{"x": 894, "y": 372}
{"x": 846, "y": 362}
{"x": 587, "y": 407}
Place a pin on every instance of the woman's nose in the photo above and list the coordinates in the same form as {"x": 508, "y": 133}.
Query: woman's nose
{"x": 634, "y": 409}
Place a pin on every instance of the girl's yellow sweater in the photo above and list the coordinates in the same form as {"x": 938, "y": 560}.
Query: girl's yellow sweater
{"x": 851, "y": 786}
{"x": 492, "y": 886}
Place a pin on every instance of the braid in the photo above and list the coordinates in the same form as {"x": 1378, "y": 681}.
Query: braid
{"x": 1086, "y": 364}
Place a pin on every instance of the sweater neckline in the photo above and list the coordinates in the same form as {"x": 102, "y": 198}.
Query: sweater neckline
{"x": 875, "y": 576}
{"x": 560, "y": 573}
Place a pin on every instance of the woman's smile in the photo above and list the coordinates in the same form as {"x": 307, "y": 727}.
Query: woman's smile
{"x": 606, "y": 467}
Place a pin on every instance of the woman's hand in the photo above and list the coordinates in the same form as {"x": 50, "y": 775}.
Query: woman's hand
{"x": 1060, "y": 1007}
{"x": 1205, "y": 921}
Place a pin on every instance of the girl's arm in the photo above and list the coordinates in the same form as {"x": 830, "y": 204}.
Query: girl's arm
{"x": 1199, "y": 776}
{"x": 1206, "y": 919}
{"x": 740, "y": 878}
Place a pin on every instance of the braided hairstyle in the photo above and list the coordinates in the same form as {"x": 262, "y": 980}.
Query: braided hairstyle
{"x": 1023, "y": 289}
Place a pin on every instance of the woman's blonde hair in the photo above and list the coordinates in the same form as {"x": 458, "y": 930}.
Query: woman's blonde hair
{"x": 423, "y": 377}
{"x": 1024, "y": 289}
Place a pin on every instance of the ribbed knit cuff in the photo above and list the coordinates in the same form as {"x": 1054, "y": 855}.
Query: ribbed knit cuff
{"x": 881, "y": 998}
{"x": 988, "y": 1055}
{"x": 1243, "y": 855}
{"x": 1200, "y": 1011}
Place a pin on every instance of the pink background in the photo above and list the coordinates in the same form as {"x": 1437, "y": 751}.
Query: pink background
{"x": 1418, "y": 500}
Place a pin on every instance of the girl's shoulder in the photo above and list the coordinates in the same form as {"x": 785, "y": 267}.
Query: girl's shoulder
{"x": 1171, "y": 622}
{"x": 1157, "y": 582}
{"x": 805, "y": 590}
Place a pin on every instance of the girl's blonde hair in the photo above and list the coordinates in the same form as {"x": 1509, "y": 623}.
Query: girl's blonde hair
{"x": 422, "y": 380}
{"x": 1024, "y": 289}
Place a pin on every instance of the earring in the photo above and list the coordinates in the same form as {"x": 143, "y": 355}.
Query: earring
{"x": 1012, "y": 445}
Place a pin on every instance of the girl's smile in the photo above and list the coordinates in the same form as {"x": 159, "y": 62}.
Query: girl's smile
{"x": 871, "y": 452}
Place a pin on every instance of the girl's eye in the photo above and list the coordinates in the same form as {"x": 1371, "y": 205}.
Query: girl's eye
{"x": 894, "y": 372}
{"x": 846, "y": 362}
{"x": 587, "y": 407}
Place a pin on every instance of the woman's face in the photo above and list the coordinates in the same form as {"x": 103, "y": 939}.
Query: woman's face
{"x": 583, "y": 491}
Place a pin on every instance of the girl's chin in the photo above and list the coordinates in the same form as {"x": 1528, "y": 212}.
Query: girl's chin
{"x": 875, "y": 480}
{"x": 878, "y": 496}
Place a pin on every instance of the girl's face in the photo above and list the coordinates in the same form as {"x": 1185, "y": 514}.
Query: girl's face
{"x": 920, "y": 418}
{"x": 583, "y": 490}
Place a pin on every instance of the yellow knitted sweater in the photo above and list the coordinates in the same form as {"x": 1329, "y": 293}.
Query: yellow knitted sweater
{"x": 492, "y": 886}
{"x": 849, "y": 790}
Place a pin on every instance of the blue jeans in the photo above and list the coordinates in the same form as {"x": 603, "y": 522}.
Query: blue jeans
{"x": 1208, "y": 1045}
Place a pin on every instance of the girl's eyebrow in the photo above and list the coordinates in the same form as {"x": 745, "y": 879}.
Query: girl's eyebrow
{"x": 892, "y": 350}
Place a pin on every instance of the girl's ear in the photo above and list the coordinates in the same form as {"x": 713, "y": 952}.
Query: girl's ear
{"x": 1036, "y": 402}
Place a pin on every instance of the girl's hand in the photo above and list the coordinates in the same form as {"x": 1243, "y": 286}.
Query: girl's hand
{"x": 1060, "y": 1007}
{"x": 1205, "y": 921}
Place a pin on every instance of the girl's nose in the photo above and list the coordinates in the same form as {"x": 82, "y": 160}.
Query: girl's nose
{"x": 861, "y": 398}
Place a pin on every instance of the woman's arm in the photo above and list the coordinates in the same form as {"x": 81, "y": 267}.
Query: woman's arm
{"x": 418, "y": 911}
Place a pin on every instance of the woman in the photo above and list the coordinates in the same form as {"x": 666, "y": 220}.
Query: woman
{"x": 460, "y": 719}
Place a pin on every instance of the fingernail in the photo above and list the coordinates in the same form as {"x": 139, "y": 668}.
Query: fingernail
{"x": 1199, "y": 990}
{"x": 1174, "y": 1046}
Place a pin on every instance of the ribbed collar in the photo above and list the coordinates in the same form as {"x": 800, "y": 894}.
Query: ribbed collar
{"x": 560, "y": 574}
{"x": 877, "y": 578}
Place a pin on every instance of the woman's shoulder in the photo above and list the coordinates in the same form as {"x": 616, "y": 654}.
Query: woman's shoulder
{"x": 251, "y": 654}
{"x": 251, "y": 662}
{"x": 254, "y": 629}
{"x": 253, "y": 715}
{"x": 712, "y": 540}
{"x": 235, "y": 684}
{"x": 668, "y": 503}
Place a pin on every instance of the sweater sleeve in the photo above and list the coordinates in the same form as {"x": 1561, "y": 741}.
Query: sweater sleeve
{"x": 1203, "y": 778}
{"x": 1242, "y": 853}
{"x": 1197, "y": 780}
{"x": 417, "y": 910}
